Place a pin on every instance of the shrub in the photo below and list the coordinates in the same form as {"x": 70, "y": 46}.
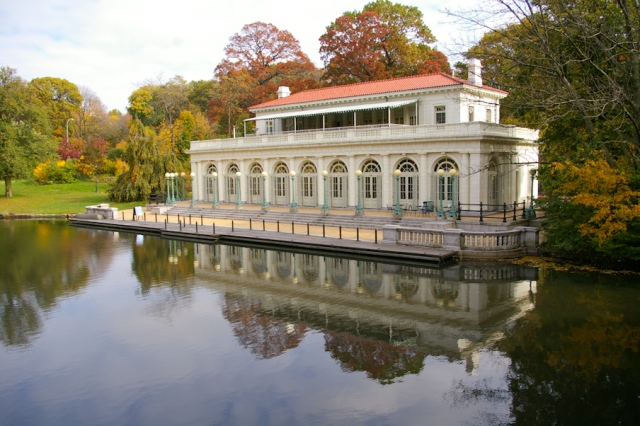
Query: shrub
{"x": 55, "y": 171}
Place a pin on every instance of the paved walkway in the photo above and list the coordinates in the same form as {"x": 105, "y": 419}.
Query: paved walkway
{"x": 344, "y": 241}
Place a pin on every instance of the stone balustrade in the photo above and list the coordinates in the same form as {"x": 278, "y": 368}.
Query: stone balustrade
{"x": 469, "y": 244}
{"x": 366, "y": 133}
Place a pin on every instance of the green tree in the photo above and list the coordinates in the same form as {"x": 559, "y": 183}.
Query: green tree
{"x": 146, "y": 166}
{"x": 574, "y": 68}
{"x": 384, "y": 40}
{"x": 60, "y": 97}
{"x": 25, "y": 134}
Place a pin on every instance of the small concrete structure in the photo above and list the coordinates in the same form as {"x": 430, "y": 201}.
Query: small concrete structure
{"x": 102, "y": 210}
{"x": 468, "y": 240}
{"x": 159, "y": 209}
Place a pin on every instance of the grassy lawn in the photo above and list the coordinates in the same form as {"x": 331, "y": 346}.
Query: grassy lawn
{"x": 33, "y": 198}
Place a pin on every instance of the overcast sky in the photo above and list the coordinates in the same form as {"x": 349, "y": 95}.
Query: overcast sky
{"x": 112, "y": 46}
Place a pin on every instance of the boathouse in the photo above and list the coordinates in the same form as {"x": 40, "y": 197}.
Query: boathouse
{"x": 373, "y": 145}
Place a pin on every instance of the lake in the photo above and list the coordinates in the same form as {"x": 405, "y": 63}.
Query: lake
{"x": 107, "y": 328}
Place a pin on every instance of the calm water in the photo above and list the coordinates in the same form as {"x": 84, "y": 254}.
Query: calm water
{"x": 103, "y": 328}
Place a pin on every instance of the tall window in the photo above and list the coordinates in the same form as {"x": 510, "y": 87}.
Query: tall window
{"x": 398, "y": 116}
{"x": 269, "y": 124}
{"x": 441, "y": 114}
{"x": 471, "y": 114}
{"x": 445, "y": 185}
{"x": 489, "y": 116}
{"x": 367, "y": 117}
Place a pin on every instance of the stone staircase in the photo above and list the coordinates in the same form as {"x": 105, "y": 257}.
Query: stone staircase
{"x": 372, "y": 221}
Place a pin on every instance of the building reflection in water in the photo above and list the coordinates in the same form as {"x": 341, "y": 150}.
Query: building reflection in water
{"x": 383, "y": 319}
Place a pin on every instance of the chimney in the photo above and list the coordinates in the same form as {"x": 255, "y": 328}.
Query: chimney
{"x": 283, "y": 92}
{"x": 475, "y": 72}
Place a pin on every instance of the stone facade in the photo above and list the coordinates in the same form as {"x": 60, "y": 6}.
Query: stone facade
{"x": 416, "y": 125}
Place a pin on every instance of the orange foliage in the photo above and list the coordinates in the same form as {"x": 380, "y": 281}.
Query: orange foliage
{"x": 606, "y": 191}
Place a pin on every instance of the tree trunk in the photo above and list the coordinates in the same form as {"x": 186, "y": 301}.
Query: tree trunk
{"x": 7, "y": 187}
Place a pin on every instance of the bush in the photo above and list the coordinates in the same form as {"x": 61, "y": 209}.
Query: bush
{"x": 55, "y": 171}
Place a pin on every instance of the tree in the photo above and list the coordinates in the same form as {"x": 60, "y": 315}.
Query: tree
{"x": 384, "y": 40}
{"x": 258, "y": 60}
{"x": 146, "y": 166}
{"x": 60, "y": 97}
{"x": 25, "y": 134}
{"x": 573, "y": 65}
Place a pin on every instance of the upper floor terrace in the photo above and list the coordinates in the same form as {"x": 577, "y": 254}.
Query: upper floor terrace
{"x": 370, "y": 133}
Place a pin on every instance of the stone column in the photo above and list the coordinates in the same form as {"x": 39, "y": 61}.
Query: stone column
{"x": 424, "y": 180}
{"x": 351, "y": 185}
{"x": 387, "y": 182}
{"x": 477, "y": 180}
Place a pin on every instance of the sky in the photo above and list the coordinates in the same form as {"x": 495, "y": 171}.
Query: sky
{"x": 113, "y": 47}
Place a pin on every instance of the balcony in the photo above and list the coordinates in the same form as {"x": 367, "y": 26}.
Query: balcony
{"x": 355, "y": 135}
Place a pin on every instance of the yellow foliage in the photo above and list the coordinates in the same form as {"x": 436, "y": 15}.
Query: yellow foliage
{"x": 606, "y": 191}
{"x": 40, "y": 172}
{"x": 121, "y": 167}
{"x": 165, "y": 140}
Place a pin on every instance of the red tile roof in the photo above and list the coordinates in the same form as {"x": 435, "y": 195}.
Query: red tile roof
{"x": 425, "y": 81}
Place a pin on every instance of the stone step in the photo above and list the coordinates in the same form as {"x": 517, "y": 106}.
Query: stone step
{"x": 335, "y": 220}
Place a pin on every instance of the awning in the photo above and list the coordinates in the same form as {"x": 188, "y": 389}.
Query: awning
{"x": 333, "y": 110}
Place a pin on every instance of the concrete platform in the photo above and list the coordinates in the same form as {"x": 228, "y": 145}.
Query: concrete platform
{"x": 292, "y": 238}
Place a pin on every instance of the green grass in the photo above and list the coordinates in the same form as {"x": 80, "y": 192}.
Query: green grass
{"x": 33, "y": 198}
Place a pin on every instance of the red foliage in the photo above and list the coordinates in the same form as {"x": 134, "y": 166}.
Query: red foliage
{"x": 70, "y": 148}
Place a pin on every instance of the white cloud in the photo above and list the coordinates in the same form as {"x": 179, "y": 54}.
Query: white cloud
{"x": 111, "y": 46}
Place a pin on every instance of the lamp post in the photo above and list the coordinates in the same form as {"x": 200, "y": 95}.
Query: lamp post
{"x": 294, "y": 206}
{"x": 193, "y": 193}
{"x": 325, "y": 205}
{"x": 68, "y": 120}
{"x": 265, "y": 207}
{"x": 440, "y": 173}
{"x": 167, "y": 200}
{"x": 452, "y": 211}
{"x": 397, "y": 212}
{"x": 215, "y": 204}
{"x": 184, "y": 193}
{"x": 532, "y": 212}
{"x": 359, "y": 208}
{"x": 239, "y": 191}
{"x": 176, "y": 188}
{"x": 172, "y": 181}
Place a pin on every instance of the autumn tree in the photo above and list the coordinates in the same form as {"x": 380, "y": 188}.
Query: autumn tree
{"x": 384, "y": 40}
{"x": 575, "y": 70}
{"x": 258, "y": 60}
{"x": 25, "y": 132}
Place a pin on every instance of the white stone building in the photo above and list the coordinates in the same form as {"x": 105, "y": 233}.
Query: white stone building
{"x": 315, "y": 146}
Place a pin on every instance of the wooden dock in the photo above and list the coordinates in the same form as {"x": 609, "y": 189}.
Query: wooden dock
{"x": 294, "y": 240}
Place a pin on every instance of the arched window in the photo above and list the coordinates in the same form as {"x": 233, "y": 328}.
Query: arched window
{"x": 371, "y": 166}
{"x": 408, "y": 184}
{"x": 232, "y": 183}
{"x": 210, "y": 191}
{"x": 338, "y": 184}
{"x": 444, "y": 185}
{"x": 307, "y": 184}
{"x": 371, "y": 182}
{"x": 254, "y": 180}
{"x": 338, "y": 167}
{"x": 280, "y": 184}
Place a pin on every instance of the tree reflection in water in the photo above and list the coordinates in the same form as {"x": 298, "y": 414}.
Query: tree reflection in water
{"x": 41, "y": 262}
{"x": 264, "y": 335}
{"x": 574, "y": 357}
{"x": 382, "y": 361}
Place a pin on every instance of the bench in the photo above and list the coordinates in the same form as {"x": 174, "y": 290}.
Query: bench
{"x": 156, "y": 198}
